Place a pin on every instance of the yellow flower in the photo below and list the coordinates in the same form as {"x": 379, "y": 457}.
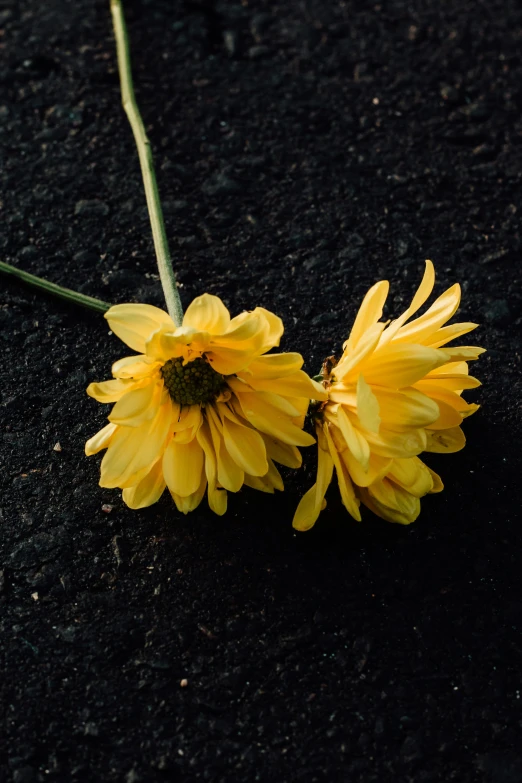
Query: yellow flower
{"x": 201, "y": 406}
{"x": 394, "y": 393}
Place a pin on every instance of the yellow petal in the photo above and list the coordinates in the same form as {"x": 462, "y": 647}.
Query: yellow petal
{"x": 101, "y": 440}
{"x": 412, "y": 475}
{"x": 452, "y": 407}
{"x": 448, "y": 417}
{"x": 312, "y": 502}
{"x": 229, "y": 361}
{"x": 207, "y": 313}
{"x": 348, "y": 498}
{"x": 246, "y": 447}
{"x": 438, "y": 486}
{"x": 273, "y": 328}
{"x": 280, "y": 405}
{"x": 280, "y": 452}
{"x": 448, "y": 333}
{"x": 230, "y": 476}
{"x": 186, "y": 421}
{"x": 399, "y": 365}
{"x": 134, "y": 367}
{"x": 266, "y": 327}
{"x": 268, "y": 483}
{"x": 188, "y": 503}
{"x": 355, "y": 441}
{"x": 296, "y": 385}
{"x": 274, "y": 365}
{"x": 458, "y": 368}
{"x": 465, "y": 353}
{"x": 377, "y": 468}
{"x": 441, "y": 311}
{"x": 451, "y": 382}
{"x": 272, "y": 421}
{"x": 350, "y": 360}
{"x": 391, "y": 502}
{"x": 137, "y": 406}
{"x": 344, "y": 394}
{"x": 217, "y": 497}
{"x": 389, "y": 443}
{"x": 243, "y": 332}
{"x": 409, "y": 408}
{"x": 369, "y": 313}
{"x": 421, "y": 295}
{"x": 187, "y": 417}
{"x": 183, "y": 466}
{"x": 470, "y": 409}
{"x": 109, "y": 391}
{"x": 135, "y": 323}
{"x": 301, "y": 404}
{"x": 134, "y": 450}
{"x": 367, "y": 406}
{"x": 218, "y": 500}
{"x": 148, "y": 491}
{"x": 165, "y": 344}
{"x": 274, "y": 477}
{"x": 446, "y": 441}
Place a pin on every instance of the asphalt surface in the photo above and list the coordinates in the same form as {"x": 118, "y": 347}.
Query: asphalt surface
{"x": 304, "y": 150}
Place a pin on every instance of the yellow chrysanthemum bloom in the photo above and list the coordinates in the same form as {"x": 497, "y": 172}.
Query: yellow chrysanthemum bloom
{"x": 201, "y": 405}
{"x": 394, "y": 393}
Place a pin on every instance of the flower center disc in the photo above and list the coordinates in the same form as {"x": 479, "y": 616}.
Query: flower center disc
{"x": 192, "y": 383}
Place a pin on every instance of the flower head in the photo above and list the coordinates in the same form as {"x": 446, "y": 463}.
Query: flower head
{"x": 394, "y": 393}
{"x": 202, "y": 406}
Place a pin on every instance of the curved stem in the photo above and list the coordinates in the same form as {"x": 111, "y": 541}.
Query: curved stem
{"x": 167, "y": 276}
{"x": 54, "y": 289}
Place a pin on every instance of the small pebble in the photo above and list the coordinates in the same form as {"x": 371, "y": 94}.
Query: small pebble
{"x": 183, "y": 683}
{"x": 57, "y": 447}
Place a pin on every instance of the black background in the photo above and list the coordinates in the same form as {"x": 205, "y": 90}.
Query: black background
{"x": 304, "y": 150}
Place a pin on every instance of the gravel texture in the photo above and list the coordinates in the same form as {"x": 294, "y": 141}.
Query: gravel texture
{"x": 304, "y": 151}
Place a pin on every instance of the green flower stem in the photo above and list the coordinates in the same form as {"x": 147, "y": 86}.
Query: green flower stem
{"x": 167, "y": 276}
{"x": 55, "y": 290}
